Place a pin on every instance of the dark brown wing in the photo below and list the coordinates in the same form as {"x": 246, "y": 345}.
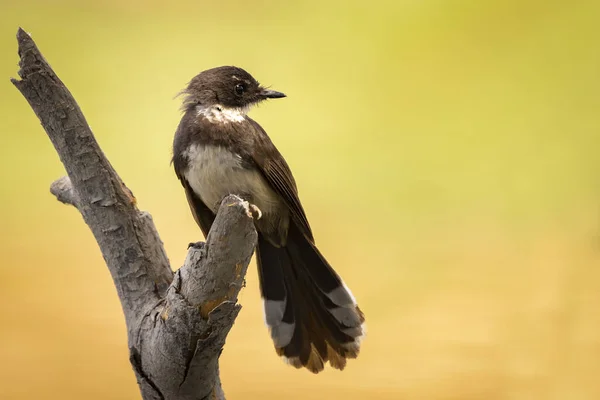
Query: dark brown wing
{"x": 274, "y": 168}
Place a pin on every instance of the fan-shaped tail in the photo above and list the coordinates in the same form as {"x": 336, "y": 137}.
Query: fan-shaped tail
{"x": 312, "y": 315}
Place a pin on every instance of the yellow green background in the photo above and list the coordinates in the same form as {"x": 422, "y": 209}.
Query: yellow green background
{"x": 446, "y": 154}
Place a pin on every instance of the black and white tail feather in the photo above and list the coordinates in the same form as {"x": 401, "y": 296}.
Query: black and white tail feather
{"x": 312, "y": 316}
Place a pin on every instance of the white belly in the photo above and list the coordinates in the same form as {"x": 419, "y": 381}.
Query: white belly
{"x": 215, "y": 172}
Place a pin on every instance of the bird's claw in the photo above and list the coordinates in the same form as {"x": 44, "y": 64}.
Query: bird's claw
{"x": 252, "y": 211}
{"x": 255, "y": 211}
{"x": 195, "y": 245}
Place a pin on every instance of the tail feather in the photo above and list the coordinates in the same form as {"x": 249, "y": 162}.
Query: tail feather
{"x": 312, "y": 316}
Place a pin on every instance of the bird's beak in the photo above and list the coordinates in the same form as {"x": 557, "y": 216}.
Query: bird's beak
{"x": 271, "y": 94}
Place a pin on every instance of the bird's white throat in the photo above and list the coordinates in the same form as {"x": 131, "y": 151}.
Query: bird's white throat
{"x": 219, "y": 113}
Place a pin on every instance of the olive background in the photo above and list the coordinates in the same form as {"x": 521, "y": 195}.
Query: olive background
{"x": 446, "y": 153}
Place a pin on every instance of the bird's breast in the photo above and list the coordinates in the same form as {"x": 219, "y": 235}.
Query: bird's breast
{"x": 214, "y": 172}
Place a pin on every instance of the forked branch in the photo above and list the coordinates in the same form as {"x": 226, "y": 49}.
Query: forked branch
{"x": 176, "y": 322}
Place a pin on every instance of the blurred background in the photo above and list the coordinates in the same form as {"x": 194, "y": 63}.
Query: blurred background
{"x": 446, "y": 154}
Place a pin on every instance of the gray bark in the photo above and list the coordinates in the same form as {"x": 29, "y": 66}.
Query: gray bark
{"x": 176, "y": 322}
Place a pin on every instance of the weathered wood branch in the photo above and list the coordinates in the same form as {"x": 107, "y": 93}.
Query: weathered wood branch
{"x": 176, "y": 322}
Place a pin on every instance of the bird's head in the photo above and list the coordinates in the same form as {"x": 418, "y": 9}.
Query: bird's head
{"x": 229, "y": 87}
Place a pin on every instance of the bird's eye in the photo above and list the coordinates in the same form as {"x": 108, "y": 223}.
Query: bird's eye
{"x": 239, "y": 89}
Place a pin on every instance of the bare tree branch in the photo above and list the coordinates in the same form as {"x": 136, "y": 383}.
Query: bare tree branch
{"x": 176, "y": 323}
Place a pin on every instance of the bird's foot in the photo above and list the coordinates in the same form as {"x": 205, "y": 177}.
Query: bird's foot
{"x": 252, "y": 211}
{"x": 196, "y": 245}
{"x": 255, "y": 211}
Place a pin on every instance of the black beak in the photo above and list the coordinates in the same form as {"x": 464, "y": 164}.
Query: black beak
{"x": 271, "y": 94}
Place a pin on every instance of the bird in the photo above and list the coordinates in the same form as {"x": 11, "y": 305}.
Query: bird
{"x": 218, "y": 150}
